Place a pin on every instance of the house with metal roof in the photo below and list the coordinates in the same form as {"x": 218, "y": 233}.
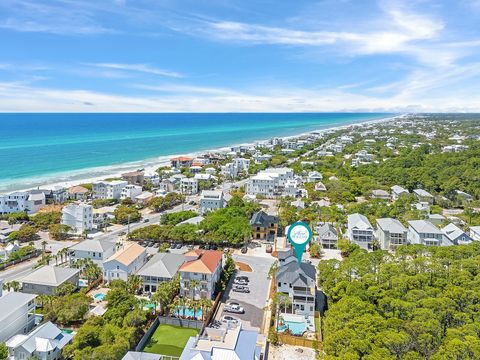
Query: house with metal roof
{"x": 135, "y": 355}
{"x": 16, "y": 314}
{"x": 326, "y": 236}
{"x": 160, "y": 268}
{"x": 456, "y": 235}
{"x": 425, "y": 233}
{"x": 423, "y": 196}
{"x": 391, "y": 233}
{"x": 96, "y": 250}
{"x": 46, "y": 342}
{"x": 360, "y": 231}
{"x": 230, "y": 343}
{"x": 46, "y": 279}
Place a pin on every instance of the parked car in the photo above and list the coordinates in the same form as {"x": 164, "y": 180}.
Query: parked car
{"x": 244, "y": 250}
{"x": 234, "y": 307}
{"x": 240, "y": 282}
{"x": 241, "y": 289}
{"x": 146, "y": 220}
{"x": 244, "y": 278}
{"x": 207, "y": 247}
{"x": 229, "y": 319}
{"x": 269, "y": 249}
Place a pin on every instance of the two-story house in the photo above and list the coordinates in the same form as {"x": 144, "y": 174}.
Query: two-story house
{"x": 126, "y": 261}
{"x": 264, "y": 226}
{"x": 326, "y": 236}
{"x": 360, "y": 231}
{"x": 46, "y": 279}
{"x": 391, "y": 233}
{"x": 211, "y": 200}
{"x": 425, "y": 233}
{"x": 17, "y": 314}
{"x": 96, "y": 250}
{"x": 162, "y": 267}
{"x": 204, "y": 267}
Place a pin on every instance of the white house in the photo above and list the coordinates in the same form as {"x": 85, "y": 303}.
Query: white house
{"x": 425, "y": 233}
{"x": 46, "y": 342}
{"x": 131, "y": 192}
{"x": 21, "y": 201}
{"x": 16, "y": 314}
{"x": 475, "y": 232}
{"x": 204, "y": 267}
{"x": 126, "y": 261}
{"x": 360, "y": 231}
{"x": 162, "y": 267}
{"x": 46, "y": 279}
{"x": 189, "y": 186}
{"x": 97, "y": 250}
{"x": 456, "y": 235}
{"x": 211, "y": 200}
{"x": 391, "y": 233}
{"x": 298, "y": 282}
{"x": 78, "y": 216}
{"x": 108, "y": 189}
{"x": 380, "y": 194}
{"x": 327, "y": 236}
{"x": 269, "y": 182}
{"x": 314, "y": 176}
{"x": 423, "y": 196}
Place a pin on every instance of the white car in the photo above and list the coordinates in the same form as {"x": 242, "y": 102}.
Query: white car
{"x": 229, "y": 319}
{"x": 234, "y": 308}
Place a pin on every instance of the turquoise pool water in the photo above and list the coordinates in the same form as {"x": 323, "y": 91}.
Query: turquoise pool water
{"x": 185, "y": 311}
{"x": 100, "y": 297}
{"x": 297, "y": 328}
{"x": 82, "y": 283}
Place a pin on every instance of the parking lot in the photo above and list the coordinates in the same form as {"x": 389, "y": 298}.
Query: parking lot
{"x": 255, "y": 301}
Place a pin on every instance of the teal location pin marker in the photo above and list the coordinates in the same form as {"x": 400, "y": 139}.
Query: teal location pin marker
{"x": 299, "y": 234}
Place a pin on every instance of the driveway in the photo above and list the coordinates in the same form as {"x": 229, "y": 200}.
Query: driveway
{"x": 255, "y": 301}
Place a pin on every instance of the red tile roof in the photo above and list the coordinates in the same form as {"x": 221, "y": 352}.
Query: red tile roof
{"x": 206, "y": 262}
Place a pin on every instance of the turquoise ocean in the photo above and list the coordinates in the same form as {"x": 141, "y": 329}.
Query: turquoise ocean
{"x": 38, "y": 149}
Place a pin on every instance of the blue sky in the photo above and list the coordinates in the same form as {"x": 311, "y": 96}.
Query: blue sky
{"x": 239, "y": 55}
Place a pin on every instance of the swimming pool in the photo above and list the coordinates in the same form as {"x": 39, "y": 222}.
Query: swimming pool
{"x": 82, "y": 283}
{"x": 99, "y": 297}
{"x": 188, "y": 312}
{"x": 297, "y": 328}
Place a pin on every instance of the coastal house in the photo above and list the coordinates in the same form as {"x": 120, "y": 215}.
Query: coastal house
{"x": 204, "y": 267}
{"x": 423, "y": 196}
{"x": 134, "y": 177}
{"x": 269, "y": 182}
{"x": 230, "y": 342}
{"x": 181, "y": 162}
{"x": 162, "y": 267}
{"x": 167, "y": 185}
{"x": 144, "y": 198}
{"x": 17, "y": 314}
{"x": 425, "y": 233}
{"x": 96, "y": 250}
{"x": 436, "y": 219}
{"x": 46, "y": 279}
{"x": 46, "y": 342}
{"x": 189, "y": 186}
{"x": 108, "y": 189}
{"x": 314, "y": 176}
{"x": 130, "y": 192}
{"x": 21, "y": 201}
{"x": 126, "y": 261}
{"x": 77, "y": 193}
{"x": 463, "y": 195}
{"x": 326, "y": 236}
{"x": 264, "y": 226}
{"x": 298, "y": 282}
{"x": 79, "y": 217}
{"x": 211, "y": 200}
{"x": 362, "y": 158}
{"x": 360, "y": 231}
{"x": 229, "y": 170}
{"x": 391, "y": 233}
{"x": 259, "y": 157}
{"x": 475, "y": 232}
{"x": 137, "y": 355}
{"x": 456, "y": 235}
{"x": 380, "y": 194}
{"x": 320, "y": 186}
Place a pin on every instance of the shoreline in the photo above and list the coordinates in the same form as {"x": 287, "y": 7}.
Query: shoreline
{"x": 150, "y": 165}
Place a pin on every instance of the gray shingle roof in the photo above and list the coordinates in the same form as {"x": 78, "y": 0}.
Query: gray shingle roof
{"x": 263, "y": 219}
{"x": 295, "y": 274}
{"x": 50, "y": 275}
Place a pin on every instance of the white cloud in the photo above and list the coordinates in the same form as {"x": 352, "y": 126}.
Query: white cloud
{"x": 139, "y": 68}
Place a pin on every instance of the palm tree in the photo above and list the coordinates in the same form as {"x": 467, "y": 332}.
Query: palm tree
{"x": 162, "y": 296}
{"x": 182, "y": 303}
{"x": 134, "y": 283}
{"x": 206, "y": 305}
{"x": 279, "y": 300}
{"x": 193, "y": 285}
{"x": 174, "y": 305}
{"x": 195, "y": 305}
{"x": 44, "y": 247}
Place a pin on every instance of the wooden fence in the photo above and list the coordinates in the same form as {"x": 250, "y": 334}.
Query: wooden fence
{"x": 297, "y": 341}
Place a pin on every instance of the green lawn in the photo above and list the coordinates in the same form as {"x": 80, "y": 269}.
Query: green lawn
{"x": 169, "y": 340}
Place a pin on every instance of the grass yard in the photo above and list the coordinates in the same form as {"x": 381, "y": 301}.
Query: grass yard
{"x": 169, "y": 340}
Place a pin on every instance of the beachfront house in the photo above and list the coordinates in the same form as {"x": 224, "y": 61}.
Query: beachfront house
{"x": 189, "y": 186}
{"x": 269, "y": 182}
{"x": 162, "y": 267}
{"x": 134, "y": 177}
{"x": 298, "y": 282}
{"x": 46, "y": 279}
{"x": 77, "y": 193}
{"x": 391, "y": 233}
{"x": 360, "y": 231}
{"x": 79, "y": 217}
{"x": 425, "y": 233}
{"x": 326, "y": 236}
{"x": 204, "y": 267}
{"x": 229, "y": 343}
{"x": 16, "y": 314}
{"x": 46, "y": 342}
{"x": 264, "y": 226}
{"x": 181, "y": 162}
{"x": 456, "y": 235}
{"x": 108, "y": 189}
{"x": 96, "y": 250}
{"x": 211, "y": 200}
{"x": 21, "y": 201}
{"x": 126, "y": 261}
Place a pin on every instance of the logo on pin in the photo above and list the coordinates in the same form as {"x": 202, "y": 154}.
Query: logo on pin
{"x": 299, "y": 234}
